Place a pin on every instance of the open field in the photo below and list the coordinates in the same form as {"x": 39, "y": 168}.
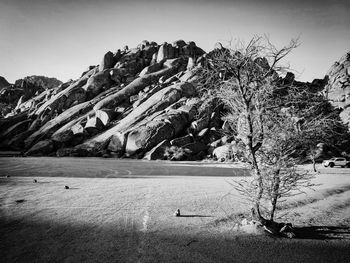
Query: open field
{"x": 122, "y": 211}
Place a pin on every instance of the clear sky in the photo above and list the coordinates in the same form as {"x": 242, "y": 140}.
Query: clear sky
{"x": 61, "y": 38}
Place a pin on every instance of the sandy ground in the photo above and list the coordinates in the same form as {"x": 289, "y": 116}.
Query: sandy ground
{"x": 126, "y": 215}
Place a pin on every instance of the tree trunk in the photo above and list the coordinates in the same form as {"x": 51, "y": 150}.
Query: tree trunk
{"x": 275, "y": 194}
{"x": 314, "y": 164}
{"x": 257, "y": 174}
{"x": 257, "y": 213}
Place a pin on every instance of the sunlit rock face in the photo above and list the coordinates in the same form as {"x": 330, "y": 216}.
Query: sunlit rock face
{"x": 137, "y": 102}
{"x": 338, "y": 88}
{"x": 125, "y": 106}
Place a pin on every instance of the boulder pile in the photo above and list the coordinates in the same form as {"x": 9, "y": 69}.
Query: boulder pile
{"x": 132, "y": 104}
{"x": 138, "y": 103}
{"x": 13, "y": 95}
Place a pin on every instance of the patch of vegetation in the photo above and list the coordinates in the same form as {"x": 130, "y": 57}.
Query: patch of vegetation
{"x": 175, "y": 153}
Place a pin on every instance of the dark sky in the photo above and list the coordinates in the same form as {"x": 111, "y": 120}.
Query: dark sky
{"x": 62, "y": 37}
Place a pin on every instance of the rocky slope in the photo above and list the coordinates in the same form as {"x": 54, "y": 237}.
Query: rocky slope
{"x": 128, "y": 104}
{"x": 136, "y": 103}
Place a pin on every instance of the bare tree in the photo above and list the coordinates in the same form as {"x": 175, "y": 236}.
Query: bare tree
{"x": 247, "y": 81}
{"x": 314, "y": 153}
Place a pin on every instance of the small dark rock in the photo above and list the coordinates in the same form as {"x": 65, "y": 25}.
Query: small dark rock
{"x": 177, "y": 213}
{"x": 35, "y": 181}
{"x": 66, "y": 187}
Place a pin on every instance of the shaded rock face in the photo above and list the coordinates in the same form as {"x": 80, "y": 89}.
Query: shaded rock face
{"x": 157, "y": 153}
{"x": 337, "y": 89}
{"x": 10, "y": 94}
{"x": 3, "y": 83}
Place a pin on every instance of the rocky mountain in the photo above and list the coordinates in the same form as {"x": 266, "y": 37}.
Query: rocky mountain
{"x": 24, "y": 89}
{"x": 38, "y": 81}
{"x": 337, "y": 89}
{"x": 3, "y": 83}
{"x": 128, "y": 104}
{"x": 137, "y": 103}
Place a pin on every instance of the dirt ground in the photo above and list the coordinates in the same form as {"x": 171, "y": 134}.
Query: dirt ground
{"x": 128, "y": 216}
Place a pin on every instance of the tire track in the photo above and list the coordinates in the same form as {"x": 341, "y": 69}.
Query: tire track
{"x": 145, "y": 221}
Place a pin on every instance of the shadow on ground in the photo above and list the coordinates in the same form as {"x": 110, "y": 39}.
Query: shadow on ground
{"x": 323, "y": 232}
{"x": 28, "y": 241}
{"x": 193, "y": 216}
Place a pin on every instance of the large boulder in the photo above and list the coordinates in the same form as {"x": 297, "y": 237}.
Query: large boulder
{"x": 165, "y": 51}
{"x": 108, "y": 61}
{"x": 156, "y": 128}
{"x": 94, "y": 125}
{"x": 163, "y": 127}
{"x": 146, "y": 137}
{"x": 97, "y": 83}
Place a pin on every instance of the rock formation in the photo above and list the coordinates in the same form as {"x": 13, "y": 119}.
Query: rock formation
{"x": 128, "y": 104}
{"x": 17, "y": 95}
{"x": 136, "y": 103}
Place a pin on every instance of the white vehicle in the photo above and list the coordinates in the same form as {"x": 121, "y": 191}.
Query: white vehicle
{"x": 336, "y": 161}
